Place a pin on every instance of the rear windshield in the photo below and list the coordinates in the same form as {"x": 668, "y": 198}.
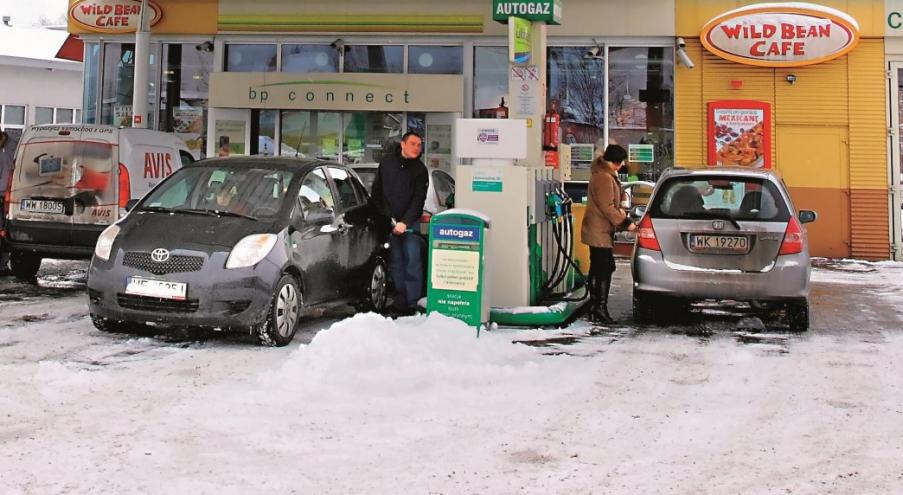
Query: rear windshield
{"x": 246, "y": 191}
{"x": 704, "y": 197}
{"x": 67, "y": 169}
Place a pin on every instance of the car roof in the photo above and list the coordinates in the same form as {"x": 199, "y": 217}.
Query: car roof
{"x": 271, "y": 162}
{"x": 762, "y": 173}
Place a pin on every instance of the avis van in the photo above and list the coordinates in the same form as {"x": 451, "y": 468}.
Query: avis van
{"x": 70, "y": 182}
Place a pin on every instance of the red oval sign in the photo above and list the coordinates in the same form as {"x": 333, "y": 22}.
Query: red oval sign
{"x": 775, "y": 35}
{"x": 112, "y": 16}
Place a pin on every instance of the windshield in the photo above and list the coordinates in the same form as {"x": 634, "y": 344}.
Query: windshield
{"x": 725, "y": 197}
{"x": 247, "y": 192}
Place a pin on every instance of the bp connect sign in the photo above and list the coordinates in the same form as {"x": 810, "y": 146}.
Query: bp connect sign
{"x": 112, "y": 16}
{"x": 781, "y": 34}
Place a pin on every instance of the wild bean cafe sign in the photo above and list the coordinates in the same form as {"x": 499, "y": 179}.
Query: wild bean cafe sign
{"x": 112, "y": 16}
{"x": 781, "y": 35}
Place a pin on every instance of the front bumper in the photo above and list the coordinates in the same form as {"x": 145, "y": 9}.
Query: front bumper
{"x": 788, "y": 279}
{"x": 216, "y": 298}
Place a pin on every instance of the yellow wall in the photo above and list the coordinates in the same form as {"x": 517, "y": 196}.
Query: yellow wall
{"x": 829, "y": 140}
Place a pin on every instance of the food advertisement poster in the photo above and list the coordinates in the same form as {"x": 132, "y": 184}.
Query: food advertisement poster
{"x": 739, "y": 133}
{"x": 189, "y": 127}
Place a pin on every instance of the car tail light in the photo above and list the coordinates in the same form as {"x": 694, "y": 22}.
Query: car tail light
{"x": 645, "y": 234}
{"x": 7, "y": 195}
{"x": 793, "y": 238}
{"x": 125, "y": 186}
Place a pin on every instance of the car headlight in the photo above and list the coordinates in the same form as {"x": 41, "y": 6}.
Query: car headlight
{"x": 104, "y": 245}
{"x": 251, "y": 250}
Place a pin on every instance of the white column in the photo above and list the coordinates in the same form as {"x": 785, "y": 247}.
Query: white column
{"x": 142, "y": 67}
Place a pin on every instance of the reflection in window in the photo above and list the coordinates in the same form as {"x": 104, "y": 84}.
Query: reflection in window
{"x": 250, "y": 58}
{"x": 315, "y": 193}
{"x": 310, "y": 134}
{"x": 435, "y": 59}
{"x": 118, "y": 84}
{"x": 369, "y": 135}
{"x": 641, "y": 104}
{"x": 576, "y": 89}
{"x": 374, "y": 58}
{"x": 490, "y": 81}
{"x": 92, "y": 72}
{"x": 309, "y": 58}
{"x": 63, "y": 116}
{"x": 184, "y": 93}
{"x": 264, "y": 127}
{"x": 344, "y": 185}
{"x": 13, "y": 115}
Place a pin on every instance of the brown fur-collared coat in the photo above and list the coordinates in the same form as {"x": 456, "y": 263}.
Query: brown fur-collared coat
{"x": 604, "y": 215}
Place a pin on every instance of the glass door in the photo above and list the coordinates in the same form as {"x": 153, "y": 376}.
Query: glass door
{"x": 896, "y": 151}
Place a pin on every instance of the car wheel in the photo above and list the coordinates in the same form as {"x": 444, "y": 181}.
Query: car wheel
{"x": 24, "y": 265}
{"x": 107, "y": 325}
{"x": 282, "y": 318}
{"x": 642, "y": 307}
{"x": 378, "y": 288}
{"x": 798, "y": 316}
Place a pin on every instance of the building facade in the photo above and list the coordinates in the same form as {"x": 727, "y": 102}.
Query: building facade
{"x": 339, "y": 79}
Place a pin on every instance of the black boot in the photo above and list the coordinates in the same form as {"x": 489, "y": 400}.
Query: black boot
{"x": 602, "y": 288}
{"x": 593, "y": 307}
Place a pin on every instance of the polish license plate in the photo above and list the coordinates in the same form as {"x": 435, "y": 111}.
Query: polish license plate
{"x": 42, "y": 206}
{"x": 139, "y": 286}
{"x": 700, "y": 243}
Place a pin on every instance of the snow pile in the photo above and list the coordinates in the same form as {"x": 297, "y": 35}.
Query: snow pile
{"x": 372, "y": 356}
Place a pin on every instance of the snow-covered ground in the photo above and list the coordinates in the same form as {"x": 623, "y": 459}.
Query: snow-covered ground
{"x": 419, "y": 405}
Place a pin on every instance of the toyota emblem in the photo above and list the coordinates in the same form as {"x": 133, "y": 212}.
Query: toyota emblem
{"x": 160, "y": 255}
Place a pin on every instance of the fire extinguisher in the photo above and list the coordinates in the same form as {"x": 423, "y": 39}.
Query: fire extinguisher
{"x": 550, "y": 125}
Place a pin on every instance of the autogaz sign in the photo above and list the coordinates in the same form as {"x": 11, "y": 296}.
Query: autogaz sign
{"x": 548, "y": 11}
{"x": 781, "y": 35}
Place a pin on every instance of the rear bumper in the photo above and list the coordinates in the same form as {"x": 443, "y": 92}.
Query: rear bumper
{"x": 53, "y": 240}
{"x": 788, "y": 279}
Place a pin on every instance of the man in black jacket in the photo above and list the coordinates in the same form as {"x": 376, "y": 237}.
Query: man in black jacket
{"x": 399, "y": 191}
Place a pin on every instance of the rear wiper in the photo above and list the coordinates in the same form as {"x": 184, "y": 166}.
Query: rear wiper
{"x": 723, "y": 216}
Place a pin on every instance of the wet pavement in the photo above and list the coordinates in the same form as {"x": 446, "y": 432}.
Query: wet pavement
{"x": 836, "y": 309}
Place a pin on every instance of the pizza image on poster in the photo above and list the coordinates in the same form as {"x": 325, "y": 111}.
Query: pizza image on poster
{"x": 739, "y": 134}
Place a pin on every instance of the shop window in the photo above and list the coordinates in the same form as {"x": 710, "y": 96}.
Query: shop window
{"x": 435, "y": 59}
{"x": 92, "y": 75}
{"x": 490, "y": 81}
{"x": 310, "y": 134}
{"x": 118, "y": 84}
{"x": 576, "y": 90}
{"x": 309, "y": 58}
{"x": 369, "y": 135}
{"x": 13, "y": 115}
{"x": 374, "y": 58}
{"x": 250, "y": 58}
{"x": 263, "y": 125}
{"x": 641, "y": 105}
{"x": 184, "y": 93}
{"x": 78, "y": 116}
{"x": 43, "y": 115}
{"x": 63, "y": 116}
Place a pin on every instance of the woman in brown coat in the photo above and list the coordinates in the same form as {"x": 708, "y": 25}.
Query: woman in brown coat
{"x": 604, "y": 216}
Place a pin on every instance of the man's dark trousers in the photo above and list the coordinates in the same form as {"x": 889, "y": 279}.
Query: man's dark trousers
{"x": 406, "y": 266}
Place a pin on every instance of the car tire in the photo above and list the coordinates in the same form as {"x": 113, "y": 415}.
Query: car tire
{"x": 24, "y": 266}
{"x": 377, "y": 288}
{"x": 798, "y": 316}
{"x": 283, "y": 314}
{"x": 107, "y": 325}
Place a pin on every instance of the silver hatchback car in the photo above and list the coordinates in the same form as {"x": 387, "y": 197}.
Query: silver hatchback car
{"x": 721, "y": 234}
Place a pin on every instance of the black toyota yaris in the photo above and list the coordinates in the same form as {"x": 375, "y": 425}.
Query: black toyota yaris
{"x": 241, "y": 244}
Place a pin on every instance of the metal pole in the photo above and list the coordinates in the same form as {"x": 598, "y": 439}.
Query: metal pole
{"x": 142, "y": 64}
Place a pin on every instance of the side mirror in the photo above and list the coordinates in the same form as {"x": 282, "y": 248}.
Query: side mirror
{"x": 637, "y": 212}
{"x": 130, "y": 204}
{"x": 807, "y": 216}
{"x": 318, "y": 216}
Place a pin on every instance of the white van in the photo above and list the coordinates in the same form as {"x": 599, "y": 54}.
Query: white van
{"x": 71, "y": 181}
